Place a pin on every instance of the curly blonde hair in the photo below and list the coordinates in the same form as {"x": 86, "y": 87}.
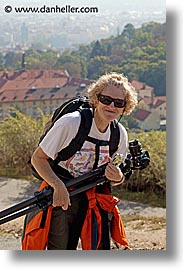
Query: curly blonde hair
{"x": 117, "y": 80}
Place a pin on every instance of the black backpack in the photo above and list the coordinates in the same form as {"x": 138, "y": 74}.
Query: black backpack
{"x": 82, "y": 105}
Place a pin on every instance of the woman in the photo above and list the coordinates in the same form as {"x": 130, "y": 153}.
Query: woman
{"x": 110, "y": 97}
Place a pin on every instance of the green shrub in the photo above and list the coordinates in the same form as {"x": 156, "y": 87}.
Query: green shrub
{"x": 153, "y": 178}
{"x": 19, "y": 135}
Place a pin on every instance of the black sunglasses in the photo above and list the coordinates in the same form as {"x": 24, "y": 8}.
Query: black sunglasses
{"x": 107, "y": 100}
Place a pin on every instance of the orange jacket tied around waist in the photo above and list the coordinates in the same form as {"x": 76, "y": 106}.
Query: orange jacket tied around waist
{"x": 107, "y": 203}
{"x": 35, "y": 236}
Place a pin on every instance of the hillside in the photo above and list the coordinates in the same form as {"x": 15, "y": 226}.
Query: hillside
{"x": 139, "y": 53}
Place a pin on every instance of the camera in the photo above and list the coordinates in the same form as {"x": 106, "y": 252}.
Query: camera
{"x": 137, "y": 159}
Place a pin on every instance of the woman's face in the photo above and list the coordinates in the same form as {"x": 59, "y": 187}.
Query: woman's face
{"x": 110, "y": 112}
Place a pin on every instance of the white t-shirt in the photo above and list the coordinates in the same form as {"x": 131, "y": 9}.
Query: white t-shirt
{"x": 65, "y": 129}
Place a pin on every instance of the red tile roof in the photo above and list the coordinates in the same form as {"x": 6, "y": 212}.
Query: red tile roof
{"x": 2, "y": 82}
{"x": 80, "y": 81}
{"x": 140, "y": 85}
{"x": 141, "y": 114}
{"x": 146, "y": 99}
{"x": 158, "y": 101}
{"x": 163, "y": 98}
{"x": 32, "y": 78}
{"x": 40, "y": 85}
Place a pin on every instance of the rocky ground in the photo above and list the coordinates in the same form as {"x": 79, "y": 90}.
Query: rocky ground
{"x": 145, "y": 226}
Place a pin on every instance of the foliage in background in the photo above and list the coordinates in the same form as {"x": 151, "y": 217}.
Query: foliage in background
{"x": 150, "y": 183}
{"x": 153, "y": 177}
{"x": 19, "y": 135}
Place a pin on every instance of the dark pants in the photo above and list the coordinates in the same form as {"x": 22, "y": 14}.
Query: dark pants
{"x": 65, "y": 227}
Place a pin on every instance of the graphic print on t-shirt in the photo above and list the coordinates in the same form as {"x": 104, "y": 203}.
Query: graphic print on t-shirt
{"x": 83, "y": 160}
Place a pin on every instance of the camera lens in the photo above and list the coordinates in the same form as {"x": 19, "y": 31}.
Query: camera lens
{"x": 135, "y": 148}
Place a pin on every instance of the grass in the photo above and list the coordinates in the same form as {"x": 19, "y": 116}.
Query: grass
{"x": 150, "y": 199}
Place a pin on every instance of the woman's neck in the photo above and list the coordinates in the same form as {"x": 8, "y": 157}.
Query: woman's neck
{"x": 101, "y": 124}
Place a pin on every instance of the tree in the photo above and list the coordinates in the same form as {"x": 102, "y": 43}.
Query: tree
{"x": 128, "y": 31}
{"x": 12, "y": 60}
{"x": 97, "y": 50}
{"x": 96, "y": 66}
{"x": 130, "y": 121}
{"x": 155, "y": 76}
{"x": 70, "y": 62}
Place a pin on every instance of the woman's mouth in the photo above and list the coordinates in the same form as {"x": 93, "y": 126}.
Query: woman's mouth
{"x": 110, "y": 111}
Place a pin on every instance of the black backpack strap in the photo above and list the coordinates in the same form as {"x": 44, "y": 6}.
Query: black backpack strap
{"x": 112, "y": 143}
{"x": 77, "y": 142}
{"x": 97, "y": 143}
{"x": 114, "y": 138}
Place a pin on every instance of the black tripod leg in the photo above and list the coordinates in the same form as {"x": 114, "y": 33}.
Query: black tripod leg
{"x": 87, "y": 186}
{"x": 18, "y": 207}
{"x": 18, "y": 214}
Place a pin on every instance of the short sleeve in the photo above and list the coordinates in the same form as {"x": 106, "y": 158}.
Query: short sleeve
{"x": 61, "y": 134}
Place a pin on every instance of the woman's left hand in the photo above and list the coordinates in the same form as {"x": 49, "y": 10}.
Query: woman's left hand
{"x": 113, "y": 173}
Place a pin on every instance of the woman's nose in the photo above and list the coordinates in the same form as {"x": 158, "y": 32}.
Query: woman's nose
{"x": 112, "y": 104}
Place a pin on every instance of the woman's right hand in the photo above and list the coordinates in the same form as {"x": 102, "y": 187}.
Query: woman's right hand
{"x": 61, "y": 196}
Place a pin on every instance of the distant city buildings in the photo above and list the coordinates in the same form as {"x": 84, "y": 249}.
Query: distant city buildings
{"x": 32, "y": 91}
{"x": 63, "y": 31}
{"x": 35, "y": 90}
{"x": 24, "y": 34}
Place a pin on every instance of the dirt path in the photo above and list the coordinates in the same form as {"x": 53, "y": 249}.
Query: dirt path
{"x": 145, "y": 226}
